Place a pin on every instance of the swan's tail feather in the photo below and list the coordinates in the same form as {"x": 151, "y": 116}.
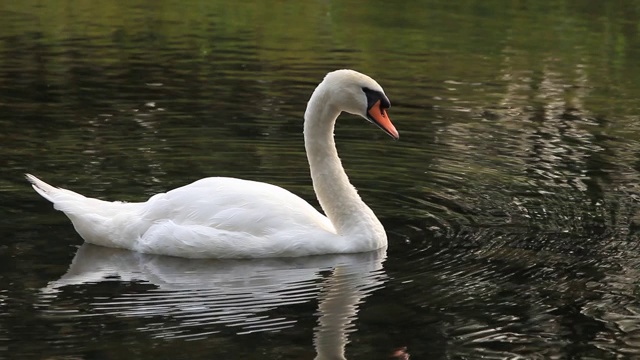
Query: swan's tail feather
{"x": 67, "y": 201}
{"x": 49, "y": 192}
{"x": 77, "y": 205}
{"x": 97, "y": 221}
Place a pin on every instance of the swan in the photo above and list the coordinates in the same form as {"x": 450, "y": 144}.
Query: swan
{"x": 220, "y": 217}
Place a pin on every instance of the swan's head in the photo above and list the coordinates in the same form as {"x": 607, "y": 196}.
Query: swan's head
{"x": 359, "y": 94}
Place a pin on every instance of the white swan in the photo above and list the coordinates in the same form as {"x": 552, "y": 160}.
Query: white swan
{"x": 221, "y": 217}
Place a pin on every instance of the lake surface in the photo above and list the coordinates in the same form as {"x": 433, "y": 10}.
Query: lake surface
{"x": 510, "y": 201}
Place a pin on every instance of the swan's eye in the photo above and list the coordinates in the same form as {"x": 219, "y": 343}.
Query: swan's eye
{"x": 374, "y": 96}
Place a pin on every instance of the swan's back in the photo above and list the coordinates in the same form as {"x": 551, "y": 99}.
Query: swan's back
{"x": 235, "y": 205}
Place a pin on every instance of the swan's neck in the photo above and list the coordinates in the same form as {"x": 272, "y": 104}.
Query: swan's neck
{"x": 338, "y": 198}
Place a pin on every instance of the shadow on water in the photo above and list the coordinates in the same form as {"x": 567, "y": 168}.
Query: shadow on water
{"x": 174, "y": 298}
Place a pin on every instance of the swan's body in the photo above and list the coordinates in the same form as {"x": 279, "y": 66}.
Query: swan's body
{"x": 231, "y": 218}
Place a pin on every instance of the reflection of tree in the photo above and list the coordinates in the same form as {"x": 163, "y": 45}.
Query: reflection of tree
{"x": 552, "y": 144}
{"x": 114, "y": 103}
{"x": 540, "y": 155}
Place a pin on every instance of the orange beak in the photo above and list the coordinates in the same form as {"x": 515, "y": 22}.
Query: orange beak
{"x": 379, "y": 117}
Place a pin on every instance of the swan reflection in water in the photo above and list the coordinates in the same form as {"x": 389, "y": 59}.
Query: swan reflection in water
{"x": 200, "y": 296}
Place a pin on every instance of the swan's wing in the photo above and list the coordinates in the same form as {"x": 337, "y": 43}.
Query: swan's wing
{"x": 232, "y": 218}
{"x": 232, "y": 204}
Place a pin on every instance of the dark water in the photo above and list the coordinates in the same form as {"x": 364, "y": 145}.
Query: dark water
{"x": 511, "y": 200}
